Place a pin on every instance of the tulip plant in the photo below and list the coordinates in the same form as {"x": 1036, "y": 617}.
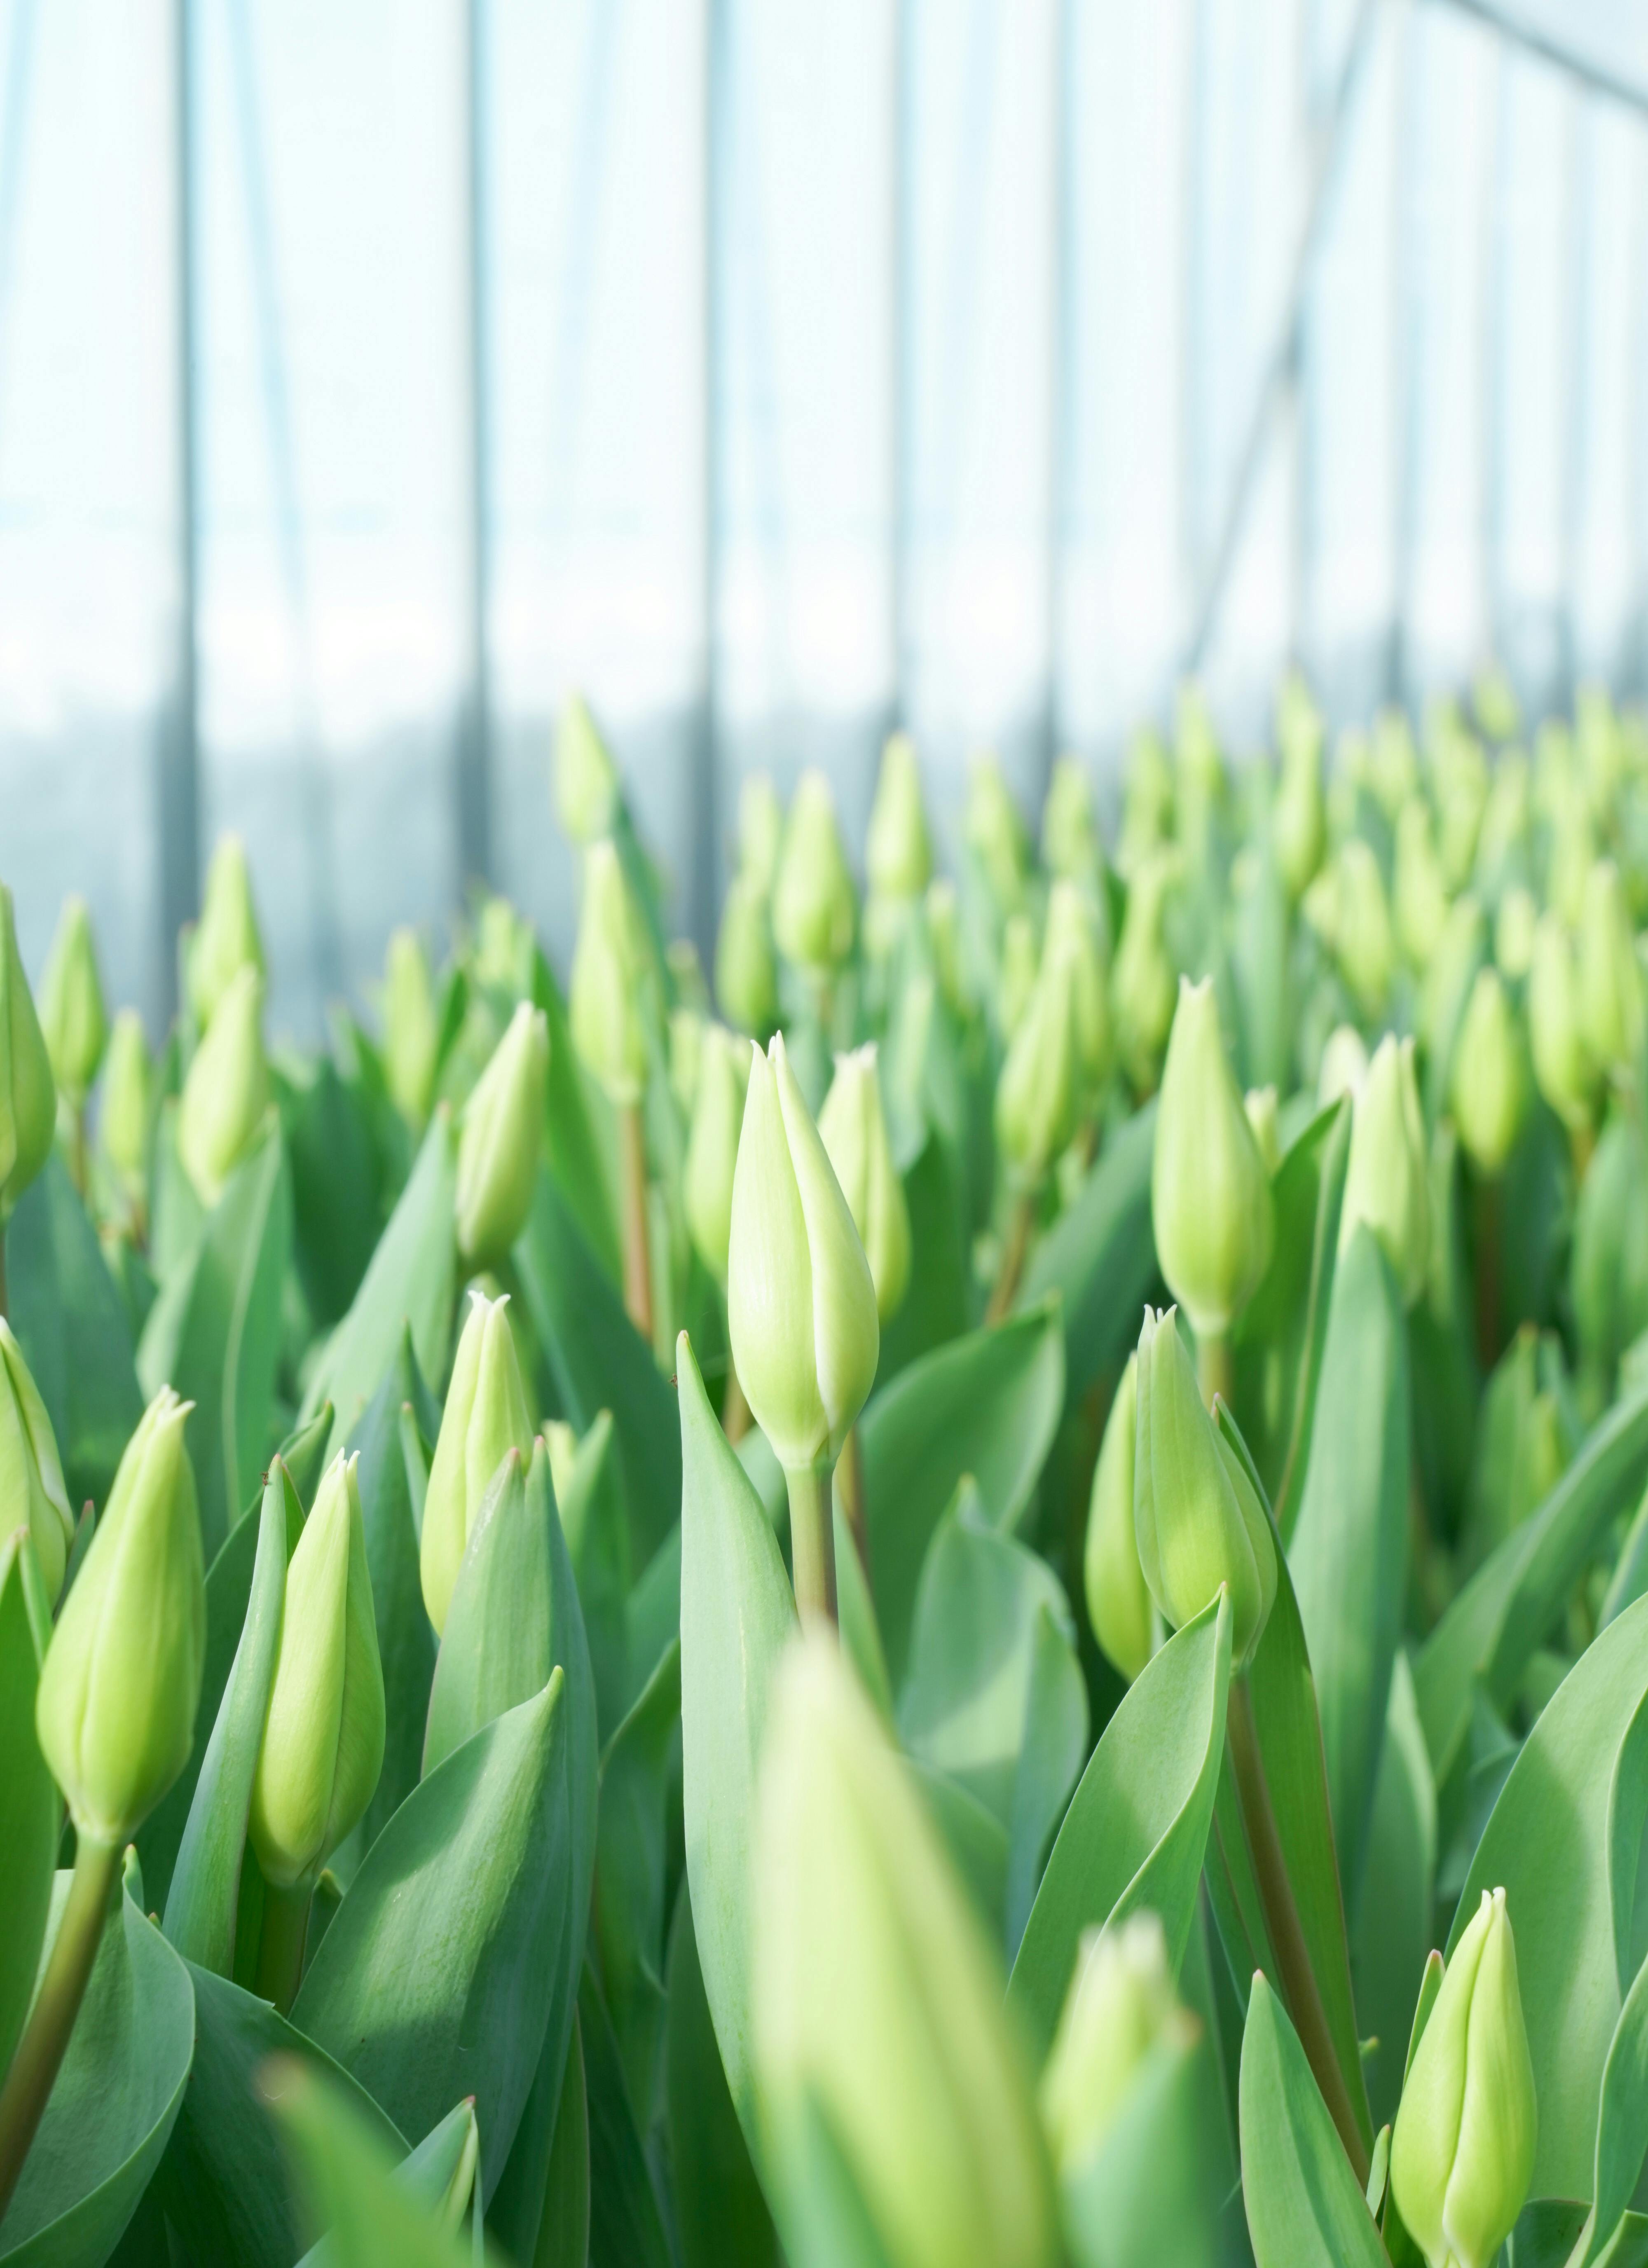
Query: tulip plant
{"x": 979, "y": 1600}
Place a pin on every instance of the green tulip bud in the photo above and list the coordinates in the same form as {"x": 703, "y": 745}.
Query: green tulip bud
{"x": 746, "y": 975}
{"x": 504, "y": 947}
{"x": 878, "y": 2014}
{"x": 944, "y": 934}
{"x": 73, "y": 1021}
{"x": 501, "y": 1140}
{"x": 604, "y": 1003}
{"x": 227, "y": 1090}
{"x": 1461, "y": 2158}
{"x": 1147, "y": 803}
{"x": 587, "y": 794}
{"x": 898, "y": 853}
{"x": 124, "y": 1117}
{"x": 28, "y": 1093}
{"x": 1489, "y": 1089}
{"x": 1388, "y": 1177}
{"x": 1365, "y": 945}
{"x": 411, "y": 1023}
{"x": 1345, "y": 1065}
{"x": 1143, "y": 987}
{"x": 1573, "y": 852}
{"x": 1493, "y": 697}
{"x": 1019, "y": 962}
{"x": 761, "y": 833}
{"x": 686, "y": 974}
{"x": 1513, "y": 933}
{"x": 1562, "y": 1065}
{"x": 1199, "y": 766}
{"x": 1610, "y": 974}
{"x": 1461, "y": 799}
{"x": 1073, "y": 931}
{"x": 31, "y": 1489}
{"x": 122, "y": 1678}
{"x": 485, "y": 1417}
{"x": 853, "y": 1128}
{"x": 323, "y": 1734}
{"x": 1118, "y": 1598}
{"x": 1297, "y": 819}
{"x": 686, "y": 1056}
{"x": 1260, "y": 1103}
{"x": 1209, "y": 1193}
{"x": 1121, "y": 2002}
{"x": 227, "y": 939}
{"x": 1600, "y": 743}
{"x": 1198, "y": 1522}
{"x": 814, "y": 909}
{"x": 995, "y": 833}
{"x": 1039, "y": 1093}
{"x": 1392, "y": 761}
{"x": 712, "y": 1145}
{"x": 801, "y": 1302}
{"x": 1069, "y": 840}
{"x": 1420, "y": 894}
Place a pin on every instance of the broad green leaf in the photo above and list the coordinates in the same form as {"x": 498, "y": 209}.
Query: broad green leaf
{"x": 1100, "y": 1257}
{"x": 563, "y": 2224}
{"x": 1148, "y": 2195}
{"x": 855, "y": 1611}
{"x": 1305, "y": 2206}
{"x": 31, "y": 1810}
{"x": 353, "y": 2188}
{"x": 626, "y": 2229}
{"x": 426, "y": 2175}
{"x": 1391, "y": 1928}
{"x": 721, "y": 2217}
{"x": 627, "y": 1923}
{"x": 115, "y": 2102}
{"x": 598, "y": 1541}
{"x": 1138, "y": 1825}
{"x": 1622, "y": 2121}
{"x": 975, "y": 1839}
{"x": 935, "y": 1309}
{"x": 334, "y": 1181}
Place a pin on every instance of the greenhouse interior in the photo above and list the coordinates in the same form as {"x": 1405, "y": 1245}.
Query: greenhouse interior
{"x": 824, "y": 1134}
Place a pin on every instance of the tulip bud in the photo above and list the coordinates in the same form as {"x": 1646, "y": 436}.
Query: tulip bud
{"x": 28, "y": 1093}
{"x": 944, "y": 934}
{"x": 1039, "y": 1093}
{"x": 1209, "y": 1192}
{"x": 604, "y": 1002}
{"x": 853, "y": 1128}
{"x": 801, "y": 1302}
{"x": 713, "y": 1146}
{"x": 73, "y": 1021}
{"x": 502, "y": 953}
{"x": 878, "y": 2017}
{"x": 897, "y": 854}
{"x": 686, "y": 1056}
{"x": 1562, "y": 1066}
{"x": 485, "y": 1417}
{"x": 411, "y": 1024}
{"x": 1573, "y": 848}
{"x": 227, "y": 939}
{"x": 1121, "y": 2002}
{"x": 1392, "y": 764}
{"x": 501, "y": 1140}
{"x": 1345, "y": 1065}
{"x": 588, "y": 794}
{"x": 686, "y": 973}
{"x": 1493, "y": 697}
{"x": 1197, "y": 1520}
{"x": 1610, "y": 974}
{"x": 1147, "y": 802}
{"x": 1489, "y": 1091}
{"x": 1461, "y": 2158}
{"x": 1069, "y": 840}
{"x": 1513, "y": 933}
{"x": 1388, "y": 1176}
{"x": 761, "y": 833}
{"x": 124, "y": 1117}
{"x": 1019, "y": 962}
{"x": 323, "y": 1734}
{"x": 1297, "y": 821}
{"x": 122, "y": 1678}
{"x": 1118, "y": 1600}
{"x": 31, "y": 1488}
{"x": 1200, "y": 767}
{"x": 1365, "y": 945}
{"x": 746, "y": 976}
{"x": 814, "y": 909}
{"x": 1260, "y": 1103}
{"x": 1072, "y": 931}
{"x": 227, "y": 1090}
{"x": 1142, "y": 983}
{"x": 1420, "y": 893}
{"x": 995, "y": 833}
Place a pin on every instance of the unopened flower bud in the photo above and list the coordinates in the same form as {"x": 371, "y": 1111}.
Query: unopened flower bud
{"x": 1446, "y": 992}
{"x": 1420, "y": 894}
{"x": 1069, "y": 840}
{"x": 1343, "y": 1066}
{"x": 1118, "y": 1598}
{"x": 323, "y": 1734}
{"x": 1039, "y": 1093}
{"x": 1388, "y": 1177}
{"x": 853, "y": 1128}
{"x": 712, "y": 1146}
{"x": 746, "y": 972}
{"x": 1513, "y": 933}
{"x": 995, "y": 833}
{"x": 503, "y": 948}
{"x": 1610, "y": 974}
{"x": 1019, "y": 962}
{"x": 1147, "y": 802}
{"x": 1199, "y": 766}
{"x": 1489, "y": 1088}
{"x": 1493, "y": 697}
{"x": 123, "y": 1114}
{"x": 588, "y": 794}
{"x": 801, "y": 1302}
{"x": 501, "y": 1140}
{"x": 944, "y": 935}
{"x": 1121, "y": 2002}
{"x": 603, "y": 1001}
{"x": 1392, "y": 761}
{"x": 28, "y": 1093}
{"x": 226, "y": 940}
{"x": 1461, "y": 2158}
{"x": 485, "y": 1417}
{"x": 31, "y": 1489}
{"x": 1260, "y": 1103}
{"x": 1073, "y": 931}
{"x": 1143, "y": 984}
{"x": 73, "y": 1021}
{"x": 122, "y": 1678}
{"x": 814, "y": 910}
{"x": 1298, "y": 820}
{"x": 1364, "y": 944}
{"x": 898, "y": 853}
{"x": 227, "y": 1090}
{"x": 1198, "y": 1521}
{"x": 686, "y": 1056}
{"x": 411, "y": 1026}
{"x": 1209, "y": 1193}
{"x": 1563, "y": 1065}
{"x": 760, "y": 833}
{"x": 1572, "y": 848}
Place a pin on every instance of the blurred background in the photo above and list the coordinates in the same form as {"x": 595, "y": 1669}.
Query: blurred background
{"x": 374, "y": 373}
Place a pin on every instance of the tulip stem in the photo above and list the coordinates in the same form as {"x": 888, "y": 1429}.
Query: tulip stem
{"x": 1486, "y": 1257}
{"x": 1216, "y": 1368}
{"x": 812, "y": 1542}
{"x": 637, "y": 1259}
{"x": 1282, "y": 1919}
{"x": 1015, "y": 1246}
{"x": 850, "y": 1488}
{"x": 41, "y": 2051}
{"x": 280, "y": 1944}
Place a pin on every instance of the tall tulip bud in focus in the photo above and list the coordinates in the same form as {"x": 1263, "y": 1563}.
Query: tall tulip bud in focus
{"x": 1209, "y": 1193}
{"x": 1118, "y": 1597}
{"x": 227, "y": 939}
{"x": 995, "y": 833}
{"x": 123, "y": 1116}
{"x": 1489, "y": 1089}
{"x": 501, "y": 1140}
{"x": 1420, "y": 893}
{"x": 485, "y": 1417}
{"x": 1069, "y": 840}
{"x": 898, "y": 852}
{"x": 1121, "y": 2002}
{"x": 31, "y": 1489}
{"x": 1198, "y": 1521}
{"x": 712, "y": 1146}
{"x": 1260, "y": 1103}
{"x": 411, "y": 1026}
{"x": 73, "y": 1019}
{"x": 1610, "y": 974}
{"x": 813, "y": 911}
{"x": 28, "y": 1093}
{"x": 746, "y": 972}
{"x": 1461, "y": 2159}
{"x": 1039, "y": 1093}
{"x": 1562, "y": 1065}
{"x": 588, "y": 794}
{"x": 1388, "y": 1177}
{"x": 604, "y": 999}
{"x": 227, "y": 1090}
{"x": 852, "y": 1126}
{"x": 1142, "y": 983}
{"x": 1073, "y": 932}
{"x": 760, "y": 833}
{"x": 122, "y": 1678}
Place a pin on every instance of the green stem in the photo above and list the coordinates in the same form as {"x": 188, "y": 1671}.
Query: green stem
{"x": 1298, "y": 1977}
{"x": 1216, "y": 1368}
{"x": 812, "y": 1542}
{"x": 850, "y": 1489}
{"x": 5, "y": 1310}
{"x": 1488, "y": 1348}
{"x": 1015, "y": 1246}
{"x": 637, "y": 1260}
{"x": 41, "y": 2051}
{"x": 280, "y": 1944}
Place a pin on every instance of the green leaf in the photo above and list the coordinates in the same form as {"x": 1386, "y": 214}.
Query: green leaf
{"x": 564, "y": 2225}
{"x": 574, "y": 1152}
{"x": 626, "y": 2228}
{"x": 1392, "y": 1926}
{"x": 1305, "y": 2206}
{"x": 935, "y": 1310}
{"x": 372, "y": 2217}
{"x": 1100, "y": 1257}
{"x": 1621, "y": 2120}
{"x": 1148, "y": 2194}
{"x": 975, "y": 1839}
{"x": 425, "y": 2175}
{"x": 335, "y": 1205}
{"x": 628, "y": 1922}
{"x": 721, "y": 2217}
{"x": 31, "y": 1810}
{"x": 1137, "y": 1825}
{"x": 987, "y": 1405}
{"x": 115, "y": 2102}
{"x": 597, "y": 1533}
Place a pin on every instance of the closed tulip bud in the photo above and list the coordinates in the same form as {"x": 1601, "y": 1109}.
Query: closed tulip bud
{"x": 1573, "y": 848}
{"x": 898, "y": 853}
{"x": 588, "y": 794}
{"x": 32, "y": 1490}
{"x": 28, "y": 1093}
{"x": 853, "y": 1128}
{"x": 1461, "y": 2158}
{"x": 1073, "y": 932}
{"x": 746, "y": 972}
{"x": 760, "y": 833}
{"x": 686, "y": 1056}
{"x": 686, "y": 973}
{"x": 944, "y": 934}
{"x": 1610, "y": 974}
{"x": 1299, "y": 819}
{"x": 1118, "y": 1598}
{"x": 1199, "y": 766}
{"x": 605, "y": 1005}
{"x": 1039, "y": 1093}
{"x": 501, "y": 1140}
{"x": 814, "y": 909}
{"x": 124, "y": 1117}
{"x": 1147, "y": 803}
{"x": 878, "y": 2015}
{"x": 1345, "y": 1065}
{"x": 122, "y": 1678}
{"x": 1513, "y": 933}
{"x": 485, "y": 1417}
{"x": 1019, "y": 962}
{"x": 1392, "y": 761}
{"x": 1420, "y": 893}
{"x": 1489, "y": 1089}
{"x": 1198, "y": 1521}
{"x": 1388, "y": 1177}
{"x": 1260, "y": 1103}
{"x": 1143, "y": 984}
{"x": 1069, "y": 840}
{"x": 1209, "y": 1193}
{"x": 227, "y": 939}
{"x": 1121, "y": 2002}
{"x": 411, "y": 1026}
{"x": 712, "y": 1145}
{"x": 1562, "y": 1065}
{"x": 1366, "y": 946}
{"x": 995, "y": 833}
{"x": 801, "y": 1302}
{"x": 323, "y": 1735}
{"x": 504, "y": 947}
{"x": 227, "y": 1090}
{"x": 1493, "y": 697}
{"x": 73, "y": 1021}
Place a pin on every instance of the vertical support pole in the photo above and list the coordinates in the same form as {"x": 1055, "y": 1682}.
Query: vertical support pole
{"x": 474, "y": 732}
{"x": 178, "y": 768}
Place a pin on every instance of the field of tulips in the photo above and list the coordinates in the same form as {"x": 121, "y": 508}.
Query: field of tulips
{"x": 1003, "y": 1629}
